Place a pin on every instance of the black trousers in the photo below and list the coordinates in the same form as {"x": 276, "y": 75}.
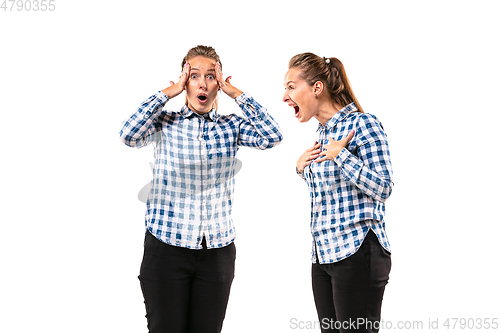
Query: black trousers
{"x": 185, "y": 291}
{"x": 348, "y": 294}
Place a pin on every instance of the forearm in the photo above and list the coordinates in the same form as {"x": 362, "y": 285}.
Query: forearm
{"x": 373, "y": 178}
{"x": 261, "y": 131}
{"x": 139, "y": 129}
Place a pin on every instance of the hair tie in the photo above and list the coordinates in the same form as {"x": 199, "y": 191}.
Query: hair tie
{"x": 326, "y": 60}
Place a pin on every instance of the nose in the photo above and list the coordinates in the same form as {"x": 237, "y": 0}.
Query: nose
{"x": 286, "y": 98}
{"x": 203, "y": 83}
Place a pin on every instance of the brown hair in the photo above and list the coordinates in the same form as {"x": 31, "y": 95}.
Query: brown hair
{"x": 204, "y": 51}
{"x": 330, "y": 71}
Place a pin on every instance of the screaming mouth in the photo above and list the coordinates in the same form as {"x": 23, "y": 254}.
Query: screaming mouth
{"x": 297, "y": 109}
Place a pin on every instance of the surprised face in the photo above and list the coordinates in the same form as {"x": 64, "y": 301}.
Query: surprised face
{"x": 202, "y": 85}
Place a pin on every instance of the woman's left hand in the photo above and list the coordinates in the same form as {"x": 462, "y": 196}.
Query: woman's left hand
{"x": 226, "y": 85}
{"x": 333, "y": 148}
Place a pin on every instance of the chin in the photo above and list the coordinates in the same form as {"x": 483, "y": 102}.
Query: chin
{"x": 200, "y": 108}
{"x": 302, "y": 119}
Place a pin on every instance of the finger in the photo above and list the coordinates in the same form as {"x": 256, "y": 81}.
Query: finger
{"x": 321, "y": 159}
{"x": 315, "y": 147}
{"x": 172, "y": 83}
{"x": 312, "y": 157}
{"x": 313, "y": 154}
{"x": 349, "y": 136}
{"x": 218, "y": 73}
{"x": 185, "y": 73}
{"x": 229, "y": 78}
{"x": 186, "y": 69}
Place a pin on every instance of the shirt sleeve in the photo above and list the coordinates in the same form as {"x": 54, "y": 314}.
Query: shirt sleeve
{"x": 370, "y": 169}
{"x": 140, "y": 129}
{"x": 301, "y": 174}
{"x": 258, "y": 129}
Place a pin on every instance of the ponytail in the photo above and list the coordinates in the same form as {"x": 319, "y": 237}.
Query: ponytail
{"x": 331, "y": 72}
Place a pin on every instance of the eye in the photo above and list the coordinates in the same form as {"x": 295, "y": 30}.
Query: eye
{"x": 211, "y": 77}
{"x": 194, "y": 76}
{"x": 289, "y": 88}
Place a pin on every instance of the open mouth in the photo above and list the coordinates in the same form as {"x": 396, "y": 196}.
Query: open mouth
{"x": 202, "y": 98}
{"x": 297, "y": 110}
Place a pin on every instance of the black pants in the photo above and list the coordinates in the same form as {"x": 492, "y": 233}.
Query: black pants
{"x": 185, "y": 290}
{"x": 348, "y": 294}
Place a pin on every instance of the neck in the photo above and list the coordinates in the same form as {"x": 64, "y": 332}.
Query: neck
{"x": 326, "y": 110}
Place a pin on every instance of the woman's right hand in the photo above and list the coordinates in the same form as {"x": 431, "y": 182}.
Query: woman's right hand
{"x": 308, "y": 156}
{"x": 176, "y": 88}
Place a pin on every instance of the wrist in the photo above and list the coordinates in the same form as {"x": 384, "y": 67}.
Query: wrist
{"x": 236, "y": 94}
{"x": 170, "y": 93}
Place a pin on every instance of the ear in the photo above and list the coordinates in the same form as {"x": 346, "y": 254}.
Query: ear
{"x": 318, "y": 88}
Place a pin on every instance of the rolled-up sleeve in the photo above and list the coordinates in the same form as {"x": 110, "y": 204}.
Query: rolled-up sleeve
{"x": 370, "y": 169}
{"x": 139, "y": 130}
{"x": 258, "y": 130}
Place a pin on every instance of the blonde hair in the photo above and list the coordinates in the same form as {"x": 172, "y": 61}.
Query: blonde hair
{"x": 330, "y": 71}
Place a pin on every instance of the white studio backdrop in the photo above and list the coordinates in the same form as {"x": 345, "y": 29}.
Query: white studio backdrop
{"x": 72, "y": 225}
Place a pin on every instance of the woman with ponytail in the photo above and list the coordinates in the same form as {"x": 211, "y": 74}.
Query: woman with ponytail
{"x": 349, "y": 176}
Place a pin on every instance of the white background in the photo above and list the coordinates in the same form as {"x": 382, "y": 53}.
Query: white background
{"x": 72, "y": 226}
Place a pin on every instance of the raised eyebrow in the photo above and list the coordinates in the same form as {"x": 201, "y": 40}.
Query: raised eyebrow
{"x": 288, "y": 83}
{"x": 197, "y": 69}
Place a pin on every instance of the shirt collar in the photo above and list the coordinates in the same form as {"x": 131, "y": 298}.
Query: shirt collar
{"x": 188, "y": 113}
{"x": 338, "y": 117}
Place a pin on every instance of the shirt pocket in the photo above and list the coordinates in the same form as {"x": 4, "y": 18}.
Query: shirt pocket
{"x": 222, "y": 145}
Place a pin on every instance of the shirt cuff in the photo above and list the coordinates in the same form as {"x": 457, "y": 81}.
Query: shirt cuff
{"x": 162, "y": 97}
{"x": 244, "y": 98}
{"x": 251, "y": 109}
{"x": 301, "y": 174}
{"x": 349, "y": 165}
{"x": 149, "y": 108}
{"x": 342, "y": 157}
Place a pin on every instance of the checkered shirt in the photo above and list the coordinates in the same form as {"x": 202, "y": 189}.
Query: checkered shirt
{"x": 348, "y": 193}
{"x": 193, "y": 174}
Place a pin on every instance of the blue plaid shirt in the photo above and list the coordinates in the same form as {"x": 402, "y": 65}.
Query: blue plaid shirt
{"x": 348, "y": 193}
{"x": 193, "y": 174}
